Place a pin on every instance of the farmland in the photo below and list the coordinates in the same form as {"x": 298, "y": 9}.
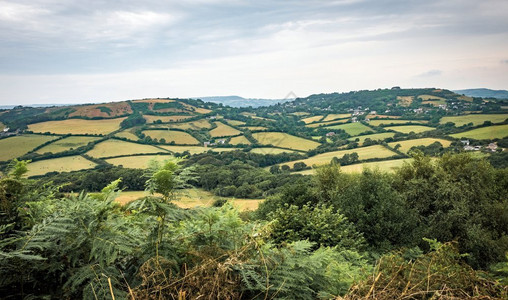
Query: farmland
{"x": 223, "y": 130}
{"x": 106, "y": 110}
{"x": 256, "y": 128}
{"x": 332, "y": 117}
{"x": 269, "y": 150}
{"x": 476, "y": 119}
{"x": 375, "y": 151}
{"x": 312, "y": 119}
{"x": 128, "y": 135}
{"x": 195, "y": 149}
{"x": 114, "y": 147}
{"x": 136, "y": 162}
{"x": 410, "y": 128}
{"x": 239, "y": 140}
{"x": 319, "y": 124}
{"x": 61, "y": 164}
{"x": 374, "y": 137}
{"x": 16, "y": 146}
{"x": 77, "y": 126}
{"x": 490, "y": 132}
{"x": 165, "y": 119}
{"x": 406, "y": 145}
{"x": 388, "y": 122}
{"x": 67, "y": 143}
{"x": 385, "y": 166}
{"x": 179, "y": 137}
{"x": 284, "y": 140}
{"x": 352, "y": 128}
{"x": 236, "y": 123}
{"x": 193, "y": 125}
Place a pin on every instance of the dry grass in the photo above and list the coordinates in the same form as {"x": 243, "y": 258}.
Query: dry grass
{"x": 136, "y": 162}
{"x": 431, "y": 98}
{"x": 165, "y": 119}
{"x": 332, "y": 117}
{"x": 128, "y": 135}
{"x": 114, "y": 147}
{"x": 406, "y": 145}
{"x": 223, "y": 130}
{"x": 375, "y": 151}
{"x": 405, "y": 100}
{"x": 270, "y": 150}
{"x": 410, "y": 128}
{"x": 476, "y": 119}
{"x": 239, "y": 140}
{"x": 77, "y": 126}
{"x": 17, "y": 146}
{"x": 352, "y": 128}
{"x": 235, "y": 122}
{"x": 90, "y": 111}
{"x": 67, "y": 143}
{"x": 374, "y": 137}
{"x": 484, "y": 133}
{"x": 61, "y": 164}
{"x": 179, "y": 137}
{"x": 256, "y": 128}
{"x": 312, "y": 119}
{"x": 284, "y": 140}
{"x": 388, "y": 122}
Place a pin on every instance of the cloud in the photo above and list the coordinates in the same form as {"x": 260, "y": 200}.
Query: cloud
{"x": 430, "y": 73}
{"x": 505, "y": 61}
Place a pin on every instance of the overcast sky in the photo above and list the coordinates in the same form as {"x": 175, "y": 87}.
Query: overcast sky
{"x": 58, "y": 51}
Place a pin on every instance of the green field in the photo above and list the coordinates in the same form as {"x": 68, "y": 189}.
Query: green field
{"x": 114, "y": 147}
{"x": 179, "y": 137}
{"x": 385, "y": 166}
{"x": 352, "y": 128}
{"x": 192, "y": 125}
{"x": 61, "y": 164}
{"x": 284, "y": 140}
{"x": 269, "y": 150}
{"x": 223, "y": 130}
{"x": 136, "y": 162}
{"x": 375, "y": 151}
{"x": 484, "y": 133}
{"x": 410, "y": 128}
{"x": 17, "y": 146}
{"x": 67, "y": 143}
{"x": 77, "y": 126}
{"x": 476, "y": 119}
{"x": 374, "y": 137}
{"x": 406, "y": 145}
{"x": 388, "y": 122}
{"x": 165, "y": 119}
{"x": 239, "y": 140}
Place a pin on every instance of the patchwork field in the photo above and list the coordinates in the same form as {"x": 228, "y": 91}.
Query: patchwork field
{"x": 374, "y": 137}
{"x": 490, "y": 132}
{"x": 179, "y": 137}
{"x": 114, "y": 147}
{"x": 284, "y": 140}
{"x": 332, "y": 117}
{"x": 410, "y": 128}
{"x": 77, "y": 126}
{"x": 223, "y": 130}
{"x": 319, "y": 124}
{"x": 239, "y": 140}
{"x": 388, "y": 122}
{"x": 61, "y": 164}
{"x": 127, "y": 134}
{"x": 66, "y": 144}
{"x": 136, "y": 162}
{"x": 269, "y": 150}
{"x": 165, "y": 119}
{"x": 196, "y": 149}
{"x": 312, "y": 119}
{"x": 476, "y": 119}
{"x": 385, "y": 166}
{"x": 406, "y": 145}
{"x": 236, "y": 123}
{"x": 352, "y": 128}
{"x": 17, "y": 146}
{"x": 375, "y": 151}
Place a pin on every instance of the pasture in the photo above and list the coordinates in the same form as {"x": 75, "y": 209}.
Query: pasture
{"x": 375, "y": 151}
{"x": 16, "y": 146}
{"x": 113, "y": 147}
{"x": 284, "y": 140}
{"x": 223, "y": 130}
{"x": 68, "y": 143}
{"x": 374, "y": 137}
{"x": 77, "y": 126}
{"x": 389, "y": 122}
{"x": 270, "y": 150}
{"x": 164, "y": 119}
{"x": 331, "y": 117}
{"x": 406, "y": 145}
{"x": 179, "y": 137}
{"x": 410, "y": 128}
{"x": 476, "y": 119}
{"x": 239, "y": 140}
{"x": 351, "y": 128}
{"x": 61, "y": 164}
{"x": 136, "y": 162}
{"x": 312, "y": 119}
{"x": 484, "y": 133}
{"x": 192, "y": 125}
{"x": 128, "y": 135}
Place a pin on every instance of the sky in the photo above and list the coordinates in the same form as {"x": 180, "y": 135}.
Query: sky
{"x": 75, "y": 51}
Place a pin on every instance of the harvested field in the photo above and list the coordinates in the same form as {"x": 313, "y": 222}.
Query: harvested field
{"x": 223, "y": 130}
{"x": 270, "y": 150}
{"x": 77, "y": 126}
{"x": 61, "y": 164}
{"x": 312, "y": 119}
{"x": 410, "y": 128}
{"x": 431, "y": 97}
{"x": 352, "y": 128}
{"x": 136, "y": 162}
{"x": 114, "y": 147}
{"x": 484, "y": 133}
{"x": 256, "y": 128}
{"x": 239, "y": 140}
{"x": 235, "y": 122}
{"x": 332, "y": 117}
{"x": 406, "y": 145}
{"x": 67, "y": 143}
{"x": 284, "y": 140}
{"x": 179, "y": 137}
{"x": 165, "y": 119}
{"x": 128, "y": 135}
{"x": 16, "y": 146}
{"x": 476, "y": 119}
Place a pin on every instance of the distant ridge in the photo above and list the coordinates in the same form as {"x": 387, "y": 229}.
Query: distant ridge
{"x": 237, "y": 101}
{"x": 484, "y": 93}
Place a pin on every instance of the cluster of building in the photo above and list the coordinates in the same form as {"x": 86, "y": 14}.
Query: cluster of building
{"x": 491, "y": 147}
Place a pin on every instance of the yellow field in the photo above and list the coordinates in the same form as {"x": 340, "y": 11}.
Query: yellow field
{"x": 17, "y": 146}
{"x": 409, "y": 128}
{"x": 374, "y": 137}
{"x": 385, "y": 166}
{"x": 431, "y": 97}
{"x": 223, "y": 130}
{"x": 136, "y": 162}
{"x": 239, "y": 140}
{"x": 405, "y": 100}
{"x": 284, "y": 140}
{"x": 66, "y": 144}
{"x": 484, "y": 133}
{"x": 114, "y": 147}
{"x": 406, "y": 145}
{"x": 193, "y": 125}
{"x": 235, "y": 122}
{"x": 179, "y": 137}
{"x": 312, "y": 119}
{"x": 375, "y": 151}
{"x": 128, "y": 135}
{"x": 332, "y": 117}
{"x": 165, "y": 119}
{"x": 269, "y": 150}
{"x": 319, "y": 124}
{"x": 352, "y": 128}
{"x": 476, "y": 119}
{"x": 78, "y": 126}
{"x": 256, "y": 128}
{"x": 388, "y": 122}
{"x": 195, "y": 149}
{"x": 61, "y": 164}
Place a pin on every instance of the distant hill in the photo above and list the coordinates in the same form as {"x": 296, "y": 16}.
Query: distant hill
{"x": 237, "y": 101}
{"x": 484, "y": 93}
